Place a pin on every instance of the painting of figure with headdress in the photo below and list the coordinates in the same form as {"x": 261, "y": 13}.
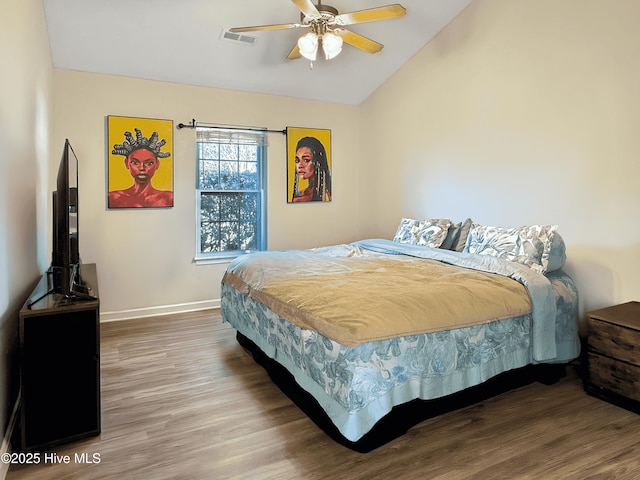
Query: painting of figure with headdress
{"x": 309, "y": 165}
{"x": 140, "y": 164}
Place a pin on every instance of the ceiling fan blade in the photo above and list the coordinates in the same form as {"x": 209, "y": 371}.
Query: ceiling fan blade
{"x": 282, "y": 26}
{"x": 359, "y": 41}
{"x": 294, "y": 53}
{"x": 307, "y": 8}
{"x": 371, "y": 15}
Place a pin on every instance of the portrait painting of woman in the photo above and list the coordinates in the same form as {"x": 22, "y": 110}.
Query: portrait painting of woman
{"x": 140, "y": 167}
{"x": 309, "y": 165}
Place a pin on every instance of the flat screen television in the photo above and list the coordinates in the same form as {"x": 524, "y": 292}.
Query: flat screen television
{"x": 65, "y": 271}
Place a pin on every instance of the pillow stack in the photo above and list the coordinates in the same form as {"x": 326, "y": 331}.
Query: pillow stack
{"x": 540, "y": 247}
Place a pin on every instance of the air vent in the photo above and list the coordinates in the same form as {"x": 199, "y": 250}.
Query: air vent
{"x": 238, "y": 37}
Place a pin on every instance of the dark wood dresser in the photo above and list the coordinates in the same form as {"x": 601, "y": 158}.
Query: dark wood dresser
{"x": 613, "y": 355}
{"x": 60, "y": 366}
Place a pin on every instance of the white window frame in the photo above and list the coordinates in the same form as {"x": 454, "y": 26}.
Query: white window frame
{"x": 231, "y": 137}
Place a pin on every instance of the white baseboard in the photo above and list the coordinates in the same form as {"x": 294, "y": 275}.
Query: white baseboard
{"x": 6, "y": 440}
{"x": 158, "y": 311}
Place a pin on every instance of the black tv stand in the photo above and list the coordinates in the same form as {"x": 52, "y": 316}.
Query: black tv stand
{"x": 59, "y": 366}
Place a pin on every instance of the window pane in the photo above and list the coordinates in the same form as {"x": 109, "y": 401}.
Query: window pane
{"x": 210, "y": 237}
{"x": 209, "y": 150}
{"x": 249, "y": 206}
{"x": 209, "y": 177}
{"x": 229, "y": 207}
{"x": 248, "y": 233}
{"x": 229, "y": 221}
{"x": 228, "y": 151}
{"x": 229, "y": 238}
{"x": 248, "y": 153}
{"x": 248, "y": 175}
{"x": 209, "y": 207}
{"x": 229, "y": 178}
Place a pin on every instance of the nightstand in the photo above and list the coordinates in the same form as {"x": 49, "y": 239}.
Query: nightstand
{"x": 613, "y": 355}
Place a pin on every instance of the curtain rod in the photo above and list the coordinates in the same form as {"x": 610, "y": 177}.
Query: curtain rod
{"x": 194, "y": 125}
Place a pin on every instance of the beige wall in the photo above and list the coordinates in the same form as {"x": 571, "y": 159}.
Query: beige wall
{"x": 520, "y": 112}
{"x": 145, "y": 257}
{"x": 25, "y": 91}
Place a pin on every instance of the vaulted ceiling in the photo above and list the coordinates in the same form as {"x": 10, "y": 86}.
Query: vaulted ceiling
{"x": 183, "y": 41}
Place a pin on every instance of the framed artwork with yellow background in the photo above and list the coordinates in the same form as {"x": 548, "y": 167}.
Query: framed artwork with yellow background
{"x": 140, "y": 162}
{"x": 308, "y": 165}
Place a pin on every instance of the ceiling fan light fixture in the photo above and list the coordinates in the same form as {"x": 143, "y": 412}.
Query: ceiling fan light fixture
{"x": 331, "y": 44}
{"x": 327, "y": 28}
{"x": 308, "y": 45}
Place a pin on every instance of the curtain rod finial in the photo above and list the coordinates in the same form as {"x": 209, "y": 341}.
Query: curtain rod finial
{"x": 191, "y": 125}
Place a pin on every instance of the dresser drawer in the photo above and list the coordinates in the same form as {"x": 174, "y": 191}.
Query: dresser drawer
{"x": 618, "y": 377}
{"x": 614, "y": 341}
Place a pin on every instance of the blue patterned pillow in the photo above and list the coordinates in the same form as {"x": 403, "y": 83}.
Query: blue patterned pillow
{"x": 428, "y": 233}
{"x": 529, "y": 245}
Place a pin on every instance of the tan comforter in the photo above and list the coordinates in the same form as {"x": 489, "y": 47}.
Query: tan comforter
{"x": 352, "y": 296}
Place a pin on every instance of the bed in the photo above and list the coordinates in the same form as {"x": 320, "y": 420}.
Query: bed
{"x": 366, "y": 334}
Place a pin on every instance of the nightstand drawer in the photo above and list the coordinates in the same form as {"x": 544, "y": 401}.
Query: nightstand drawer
{"x": 615, "y": 376}
{"x": 614, "y": 341}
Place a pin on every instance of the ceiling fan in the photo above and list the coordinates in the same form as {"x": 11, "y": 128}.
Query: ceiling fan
{"x": 326, "y": 28}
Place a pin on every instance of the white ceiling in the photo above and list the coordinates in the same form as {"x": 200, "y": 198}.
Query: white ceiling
{"x": 180, "y": 41}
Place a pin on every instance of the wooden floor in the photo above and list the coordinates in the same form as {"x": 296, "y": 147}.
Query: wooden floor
{"x": 182, "y": 400}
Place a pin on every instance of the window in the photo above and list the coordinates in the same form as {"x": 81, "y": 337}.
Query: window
{"x": 230, "y": 189}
